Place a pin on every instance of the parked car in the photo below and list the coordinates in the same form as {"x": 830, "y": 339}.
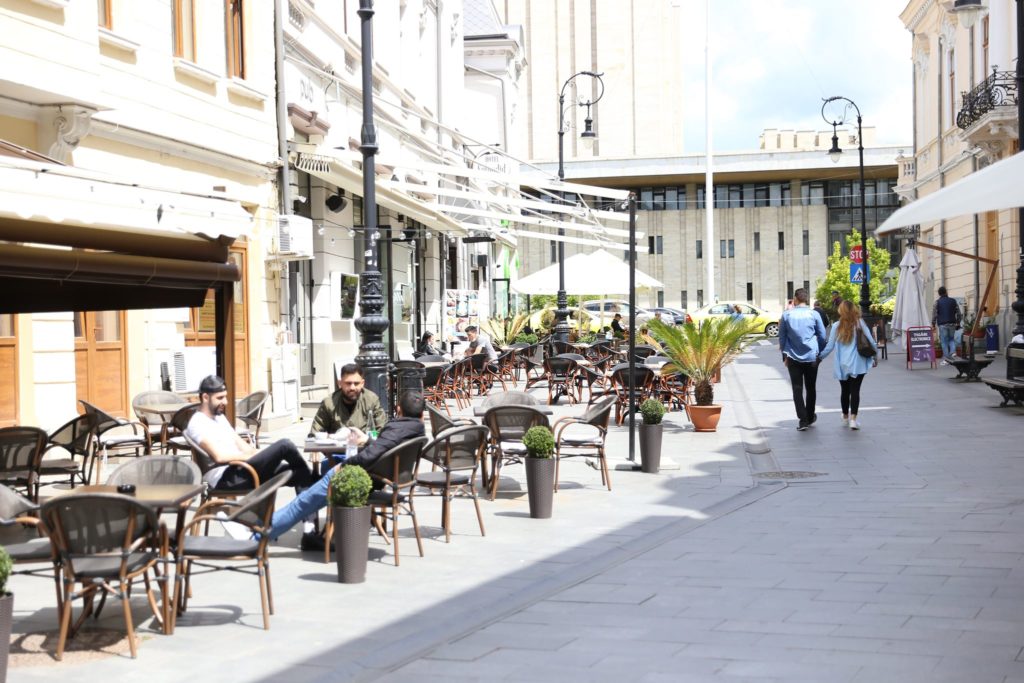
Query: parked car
{"x": 591, "y": 324}
{"x": 763, "y": 322}
{"x": 609, "y": 307}
{"x": 676, "y": 315}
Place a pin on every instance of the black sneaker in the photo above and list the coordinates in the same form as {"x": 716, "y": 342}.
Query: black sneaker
{"x": 814, "y": 418}
{"x": 802, "y": 427}
{"x": 312, "y": 541}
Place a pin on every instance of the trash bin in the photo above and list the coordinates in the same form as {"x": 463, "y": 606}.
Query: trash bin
{"x": 991, "y": 339}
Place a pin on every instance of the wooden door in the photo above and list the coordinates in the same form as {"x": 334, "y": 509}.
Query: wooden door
{"x": 992, "y": 252}
{"x": 8, "y": 370}
{"x": 201, "y": 330}
{"x": 100, "y": 375}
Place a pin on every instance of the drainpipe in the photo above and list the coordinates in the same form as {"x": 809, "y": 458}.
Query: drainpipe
{"x": 285, "y": 192}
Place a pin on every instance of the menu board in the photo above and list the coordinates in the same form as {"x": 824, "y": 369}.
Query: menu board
{"x": 461, "y": 309}
{"x": 920, "y": 346}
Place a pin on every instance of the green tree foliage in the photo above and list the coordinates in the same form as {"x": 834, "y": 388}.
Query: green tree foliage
{"x": 837, "y": 277}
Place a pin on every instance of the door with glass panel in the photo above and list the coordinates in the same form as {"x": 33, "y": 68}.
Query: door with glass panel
{"x": 100, "y": 376}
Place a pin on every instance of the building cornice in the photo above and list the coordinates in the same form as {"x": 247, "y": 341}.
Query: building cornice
{"x": 914, "y": 22}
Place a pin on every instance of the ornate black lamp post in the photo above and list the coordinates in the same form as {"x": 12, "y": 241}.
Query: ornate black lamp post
{"x": 969, "y": 11}
{"x": 561, "y": 331}
{"x": 371, "y": 324}
{"x": 835, "y": 154}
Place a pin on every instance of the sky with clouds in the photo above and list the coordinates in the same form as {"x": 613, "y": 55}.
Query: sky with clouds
{"x": 774, "y": 60}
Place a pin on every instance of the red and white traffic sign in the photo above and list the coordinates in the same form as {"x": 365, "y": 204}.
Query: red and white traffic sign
{"x": 857, "y": 254}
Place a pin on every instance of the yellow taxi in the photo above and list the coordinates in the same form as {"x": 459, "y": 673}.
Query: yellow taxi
{"x": 762, "y": 322}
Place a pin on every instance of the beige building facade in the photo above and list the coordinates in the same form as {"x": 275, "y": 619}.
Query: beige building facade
{"x": 160, "y": 99}
{"x": 955, "y": 68}
{"x": 777, "y": 213}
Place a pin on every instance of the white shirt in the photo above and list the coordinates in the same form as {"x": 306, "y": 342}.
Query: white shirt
{"x": 218, "y": 434}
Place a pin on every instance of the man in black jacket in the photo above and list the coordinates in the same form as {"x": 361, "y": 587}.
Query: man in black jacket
{"x": 408, "y": 425}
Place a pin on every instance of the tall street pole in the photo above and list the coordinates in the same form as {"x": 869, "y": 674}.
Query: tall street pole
{"x": 371, "y": 323}
{"x": 709, "y": 187}
{"x": 561, "y": 331}
{"x": 632, "y": 326}
{"x": 1018, "y": 305}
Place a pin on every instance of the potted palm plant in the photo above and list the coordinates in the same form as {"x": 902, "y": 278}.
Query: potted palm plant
{"x": 347, "y": 494}
{"x": 6, "y": 612}
{"x": 540, "y": 470}
{"x": 652, "y": 411}
{"x": 699, "y": 352}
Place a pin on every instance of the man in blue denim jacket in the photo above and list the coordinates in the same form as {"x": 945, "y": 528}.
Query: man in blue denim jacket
{"x": 801, "y": 339}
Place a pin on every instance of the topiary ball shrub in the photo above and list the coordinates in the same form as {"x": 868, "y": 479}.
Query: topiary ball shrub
{"x": 5, "y": 569}
{"x": 539, "y": 442}
{"x": 350, "y": 487}
{"x": 652, "y": 411}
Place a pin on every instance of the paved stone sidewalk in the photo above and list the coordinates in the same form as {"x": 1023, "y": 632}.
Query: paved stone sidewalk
{"x": 902, "y": 561}
{"x": 326, "y": 631}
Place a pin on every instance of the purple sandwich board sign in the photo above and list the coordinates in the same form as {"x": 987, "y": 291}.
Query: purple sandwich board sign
{"x": 920, "y": 346}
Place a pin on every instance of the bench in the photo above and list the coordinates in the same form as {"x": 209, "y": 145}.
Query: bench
{"x": 971, "y": 367}
{"x": 1011, "y": 388}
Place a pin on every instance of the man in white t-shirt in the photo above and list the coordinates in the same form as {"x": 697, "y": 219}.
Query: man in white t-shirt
{"x": 212, "y": 431}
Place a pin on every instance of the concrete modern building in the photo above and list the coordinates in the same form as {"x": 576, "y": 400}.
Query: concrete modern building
{"x": 778, "y": 210}
{"x": 965, "y": 118}
{"x": 146, "y": 124}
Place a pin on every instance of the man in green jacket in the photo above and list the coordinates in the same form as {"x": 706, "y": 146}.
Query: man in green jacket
{"x": 350, "y": 406}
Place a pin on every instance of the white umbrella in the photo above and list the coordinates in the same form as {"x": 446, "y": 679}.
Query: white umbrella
{"x": 996, "y": 187}
{"x": 911, "y": 309}
{"x": 596, "y": 273}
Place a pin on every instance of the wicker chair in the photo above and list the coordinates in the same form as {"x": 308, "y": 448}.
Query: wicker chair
{"x": 440, "y": 422}
{"x": 76, "y": 438}
{"x": 219, "y": 553}
{"x": 509, "y": 398}
{"x": 561, "y": 377}
{"x": 156, "y": 470}
{"x": 456, "y": 455}
{"x": 105, "y": 543}
{"x": 249, "y": 411}
{"x": 176, "y": 428}
{"x": 113, "y": 436}
{"x": 155, "y": 422}
{"x": 205, "y": 462}
{"x": 16, "y": 509}
{"x": 21, "y": 451}
{"x": 396, "y": 470}
{"x": 508, "y": 425}
{"x": 642, "y": 387}
{"x": 585, "y": 444}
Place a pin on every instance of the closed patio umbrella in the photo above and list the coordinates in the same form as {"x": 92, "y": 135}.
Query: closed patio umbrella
{"x": 911, "y": 309}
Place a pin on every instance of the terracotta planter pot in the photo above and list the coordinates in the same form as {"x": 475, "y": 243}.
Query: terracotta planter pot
{"x": 705, "y": 418}
{"x": 540, "y": 486}
{"x": 351, "y": 542}
{"x": 6, "y": 615}
{"x": 650, "y": 447}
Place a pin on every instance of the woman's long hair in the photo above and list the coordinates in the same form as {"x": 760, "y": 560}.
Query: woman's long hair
{"x": 849, "y": 321}
{"x": 426, "y": 338}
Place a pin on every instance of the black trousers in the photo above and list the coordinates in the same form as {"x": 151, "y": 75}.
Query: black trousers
{"x": 277, "y": 457}
{"x": 803, "y": 377}
{"x": 849, "y": 394}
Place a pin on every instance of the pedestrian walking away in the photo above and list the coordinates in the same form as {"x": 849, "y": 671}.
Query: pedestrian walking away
{"x": 849, "y": 366}
{"x": 946, "y": 318}
{"x": 801, "y": 339}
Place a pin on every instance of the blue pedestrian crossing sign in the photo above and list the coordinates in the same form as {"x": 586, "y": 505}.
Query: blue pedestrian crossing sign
{"x": 856, "y": 273}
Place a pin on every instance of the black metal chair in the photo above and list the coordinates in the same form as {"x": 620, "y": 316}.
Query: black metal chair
{"x": 583, "y": 442}
{"x": 456, "y": 455}
{"x": 395, "y": 472}
{"x": 219, "y": 553}
{"x": 561, "y": 376}
{"x": 105, "y": 543}
{"x": 249, "y": 411}
{"x": 508, "y": 425}
{"x": 76, "y": 438}
{"x": 16, "y": 509}
{"x": 21, "y": 451}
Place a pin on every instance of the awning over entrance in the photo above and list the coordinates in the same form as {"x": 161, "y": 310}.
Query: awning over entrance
{"x": 72, "y": 240}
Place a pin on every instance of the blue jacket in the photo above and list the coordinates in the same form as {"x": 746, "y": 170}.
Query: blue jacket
{"x": 848, "y": 363}
{"x": 801, "y": 334}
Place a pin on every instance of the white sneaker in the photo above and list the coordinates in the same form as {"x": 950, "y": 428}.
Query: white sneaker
{"x": 854, "y": 424}
{"x": 237, "y": 531}
{"x": 846, "y": 421}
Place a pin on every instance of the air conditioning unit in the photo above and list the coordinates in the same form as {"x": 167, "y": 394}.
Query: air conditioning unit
{"x": 294, "y": 238}
{"x": 190, "y": 365}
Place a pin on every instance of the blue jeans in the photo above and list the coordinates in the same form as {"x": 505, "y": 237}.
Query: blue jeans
{"x": 947, "y": 337}
{"x": 302, "y": 506}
